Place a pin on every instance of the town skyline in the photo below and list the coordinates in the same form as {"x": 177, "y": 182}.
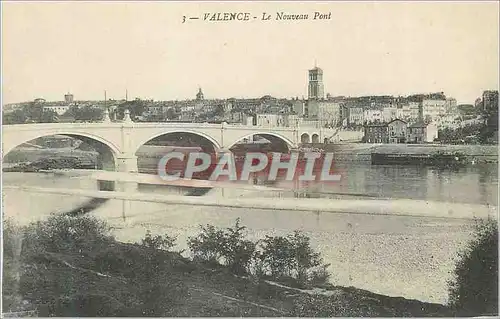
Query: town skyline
{"x": 146, "y": 50}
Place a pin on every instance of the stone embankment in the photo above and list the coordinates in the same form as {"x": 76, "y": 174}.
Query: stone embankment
{"x": 362, "y": 151}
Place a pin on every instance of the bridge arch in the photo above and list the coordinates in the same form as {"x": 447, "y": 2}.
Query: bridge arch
{"x": 107, "y": 152}
{"x": 13, "y": 142}
{"x": 315, "y": 138}
{"x": 304, "y": 138}
{"x": 144, "y": 141}
{"x": 289, "y": 143}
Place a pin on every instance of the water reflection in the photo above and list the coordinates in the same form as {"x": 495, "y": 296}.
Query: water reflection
{"x": 477, "y": 185}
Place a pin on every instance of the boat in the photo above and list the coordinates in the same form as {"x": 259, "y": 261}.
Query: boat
{"x": 439, "y": 159}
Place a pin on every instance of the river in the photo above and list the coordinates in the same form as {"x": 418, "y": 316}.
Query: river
{"x": 394, "y": 255}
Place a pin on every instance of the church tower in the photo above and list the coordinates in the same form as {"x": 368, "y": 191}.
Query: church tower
{"x": 316, "y": 88}
{"x": 199, "y": 95}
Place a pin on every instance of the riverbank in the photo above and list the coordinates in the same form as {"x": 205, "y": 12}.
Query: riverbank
{"x": 32, "y": 154}
{"x": 362, "y": 151}
{"x": 371, "y": 252}
{"x": 111, "y": 278}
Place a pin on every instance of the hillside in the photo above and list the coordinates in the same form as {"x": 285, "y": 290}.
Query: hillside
{"x": 103, "y": 277}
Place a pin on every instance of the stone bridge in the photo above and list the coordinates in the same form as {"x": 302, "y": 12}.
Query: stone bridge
{"x": 118, "y": 142}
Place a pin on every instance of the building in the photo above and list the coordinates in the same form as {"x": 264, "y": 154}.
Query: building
{"x": 326, "y": 112}
{"x": 316, "y": 88}
{"x": 389, "y": 113}
{"x": 415, "y": 110}
{"x": 394, "y": 132}
{"x": 490, "y": 100}
{"x": 372, "y": 116}
{"x": 421, "y": 132}
{"x": 199, "y": 95}
{"x": 276, "y": 120}
{"x": 433, "y": 108}
{"x": 59, "y": 109}
{"x": 478, "y": 103}
{"x": 228, "y": 107}
{"x": 355, "y": 116}
{"x": 451, "y": 106}
{"x": 299, "y": 107}
{"x": 154, "y": 109}
{"x": 237, "y": 117}
{"x": 200, "y": 106}
{"x": 397, "y": 131}
{"x": 448, "y": 121}
{"x": 376, "y": 133}
{"x": 68, "y": 98}
{"x": 39, "y": 101}
{"x": 269, "y": 120}
{"x": 291, "y": 120}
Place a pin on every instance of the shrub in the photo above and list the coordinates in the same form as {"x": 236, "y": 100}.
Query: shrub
{"x": 474, "y": 289}
{"x": 158, "y": 242}
{"x": 226, "y": 247}
{"x": 64, "y": 233}
{"x": 277, "y": 256}
{"x": 292, "y": 256}
{"x": 11, "y": 235}
{"x": 319, "y": 276}
{"x": 305, "y": 258}
{"x": 74, "y": 268}
{"x": 158, "y": 287}
{"x": 288, "y": 258}
{"x": 208, "y": 245}
{"x": 236, "y": 250}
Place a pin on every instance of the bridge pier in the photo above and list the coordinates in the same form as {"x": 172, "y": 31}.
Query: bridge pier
{"x": 127, "y": 163}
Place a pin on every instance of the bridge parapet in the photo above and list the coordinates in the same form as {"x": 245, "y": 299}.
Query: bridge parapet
{"x": 126, "y": 137}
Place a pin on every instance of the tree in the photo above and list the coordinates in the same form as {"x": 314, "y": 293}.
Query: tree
{"x": 87, "y": 113}
{"x": 219, "y": 110}
{"x": 49, "y": 116}
{"x": 60, "y": 234}
{"x": 30, "y": 112}
{"x": 292, "y": 256}
{"x": 467, "y": 109}
{"x": 11, "y": 266}
{"x": 158, "y": 242}
{"x": 16, "y": 117}
{"x": 223, "y": 246}
{"x": 474, "y": 289}
{"x": 72, "y": 111}
{"x": 208, "y": 245}
{"x": 489, "y": 114}
{"x": 277, "y": 256}
{"x": 237, "y": 251}
{"x": 170, "y": 114}
{"x": 304, "y": 256}
{"x": 136, "y": 108}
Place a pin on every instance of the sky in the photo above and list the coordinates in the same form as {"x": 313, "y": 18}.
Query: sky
{"x": 366, "y": 48}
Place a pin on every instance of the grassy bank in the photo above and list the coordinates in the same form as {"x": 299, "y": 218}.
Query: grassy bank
{"x": 71, "y": 266}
